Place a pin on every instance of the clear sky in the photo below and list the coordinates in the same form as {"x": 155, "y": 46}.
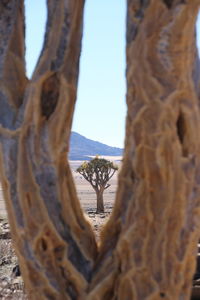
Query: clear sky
{"x": 100, "y": 109}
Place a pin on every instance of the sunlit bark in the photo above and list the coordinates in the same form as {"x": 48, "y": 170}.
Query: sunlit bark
{"x": 156, "y": 214}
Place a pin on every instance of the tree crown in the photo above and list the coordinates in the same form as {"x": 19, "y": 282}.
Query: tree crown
{"x": 98, "y": 172}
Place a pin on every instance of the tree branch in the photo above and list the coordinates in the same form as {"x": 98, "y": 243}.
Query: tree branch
{"x": 12, "y": 61}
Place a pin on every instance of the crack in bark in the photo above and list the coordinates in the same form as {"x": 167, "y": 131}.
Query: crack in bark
{"x": 181, "y": 128}
{"x": 135, "y": 15}
{"x": 168, "y": 3}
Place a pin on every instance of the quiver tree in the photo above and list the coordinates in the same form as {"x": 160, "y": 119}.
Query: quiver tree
{"x": 98, "y": 172}
{"x": 148, "y": 247}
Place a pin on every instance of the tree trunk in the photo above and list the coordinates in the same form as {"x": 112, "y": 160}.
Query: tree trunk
{"x": 148, "y": 247}
{"x": 100, "y": 203}
{"x": 55, "y": 245}
{"x": 156, "y": 213}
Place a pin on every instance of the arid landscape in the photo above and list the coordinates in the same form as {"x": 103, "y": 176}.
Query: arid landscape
{"x": 87, "y": 196}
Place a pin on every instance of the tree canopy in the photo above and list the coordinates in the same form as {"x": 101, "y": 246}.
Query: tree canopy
{"x": 98, "y": 172}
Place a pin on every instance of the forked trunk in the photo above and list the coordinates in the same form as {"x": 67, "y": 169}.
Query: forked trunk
{"x": 148, "y": 247}
{"x": 100, "y": 202}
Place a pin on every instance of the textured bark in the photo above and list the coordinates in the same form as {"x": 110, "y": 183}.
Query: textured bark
{"x": 55, "y": 245}
{"x": 149, "y": 245}
{"x": 156, "y": 214}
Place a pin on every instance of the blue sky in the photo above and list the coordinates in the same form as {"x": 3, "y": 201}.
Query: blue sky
{"x": 100, "y": 109}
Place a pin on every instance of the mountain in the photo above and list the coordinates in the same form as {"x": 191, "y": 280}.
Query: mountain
{"x": 81, "y": 148}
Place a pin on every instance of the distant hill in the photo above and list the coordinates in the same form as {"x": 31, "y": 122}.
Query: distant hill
{"x": 81, "y": 148}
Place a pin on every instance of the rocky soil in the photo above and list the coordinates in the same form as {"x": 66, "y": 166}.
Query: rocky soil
{"x": 12, "y": 287}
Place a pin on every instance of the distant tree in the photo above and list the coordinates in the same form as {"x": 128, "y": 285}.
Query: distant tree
{"x": 98, "y": 172}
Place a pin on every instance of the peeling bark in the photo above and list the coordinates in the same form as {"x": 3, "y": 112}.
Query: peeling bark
{"x": 148, "y": 247}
